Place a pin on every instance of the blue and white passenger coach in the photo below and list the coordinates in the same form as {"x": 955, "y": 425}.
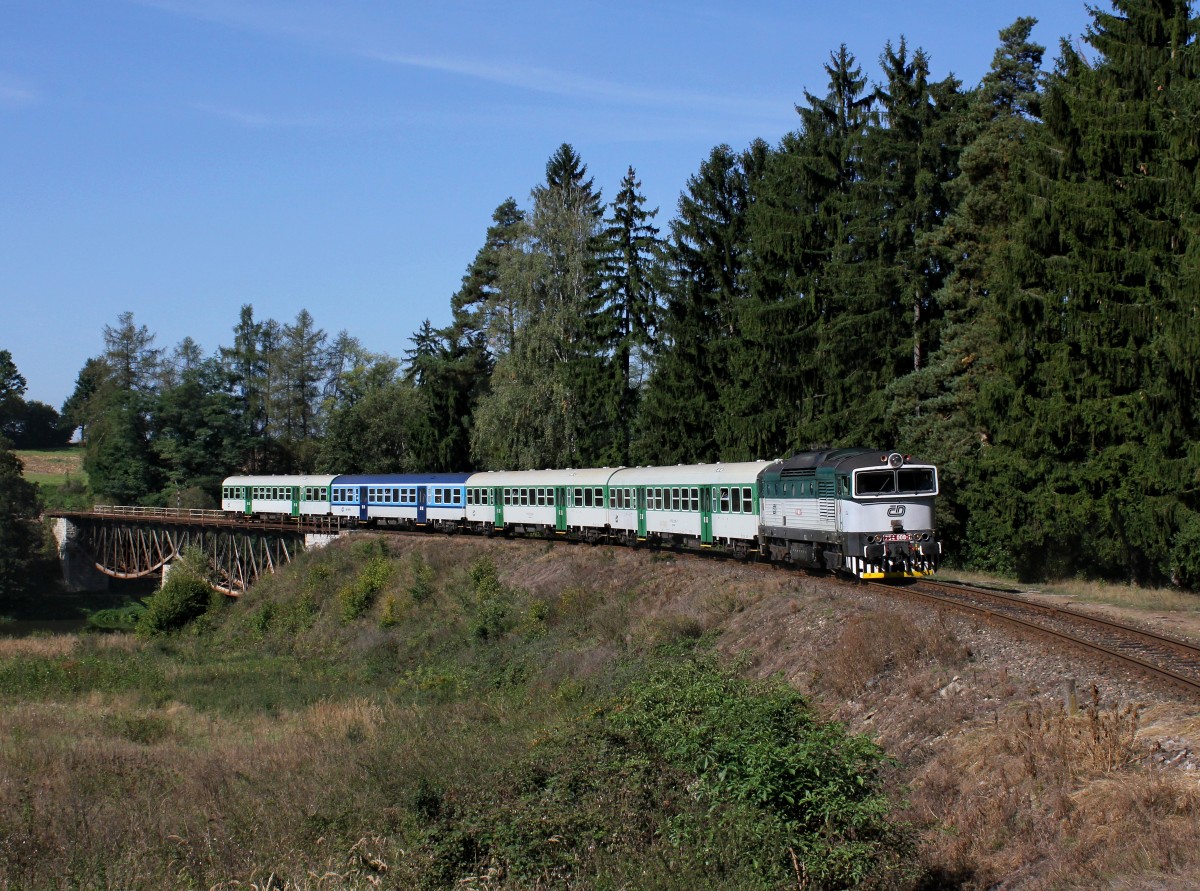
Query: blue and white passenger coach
{"x": 401, "y": 499}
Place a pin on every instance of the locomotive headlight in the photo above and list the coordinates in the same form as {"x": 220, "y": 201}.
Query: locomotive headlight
{"x": 895, "y": 459}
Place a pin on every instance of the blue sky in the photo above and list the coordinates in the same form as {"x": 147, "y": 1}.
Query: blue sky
{"x": 179, "y": 158}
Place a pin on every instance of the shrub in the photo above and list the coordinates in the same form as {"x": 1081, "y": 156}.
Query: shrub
{"x": 356, "y": 598}
{"x": 813, "y": 788}
{"x": 184, "y": 597}
{"x": 125, "y": 618}
{"x": 421, "y": 588}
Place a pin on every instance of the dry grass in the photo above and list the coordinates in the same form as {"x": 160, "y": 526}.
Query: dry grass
{"x": 38, "y": 646}
{"x": 1043, "y": 800}
{"x": 1126, "y": 596}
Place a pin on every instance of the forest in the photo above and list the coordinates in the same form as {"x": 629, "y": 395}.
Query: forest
{"x": 1001, "y": 279}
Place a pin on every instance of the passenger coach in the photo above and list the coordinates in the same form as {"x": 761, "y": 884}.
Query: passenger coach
{"x": 284, "y": 496}
{"x": 400, "y": 499}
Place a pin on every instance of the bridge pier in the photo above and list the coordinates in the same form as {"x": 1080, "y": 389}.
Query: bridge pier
{"x": 78, "y": 568}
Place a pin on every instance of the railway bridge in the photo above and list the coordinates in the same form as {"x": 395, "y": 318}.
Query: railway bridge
{"x": 139, "y": 542}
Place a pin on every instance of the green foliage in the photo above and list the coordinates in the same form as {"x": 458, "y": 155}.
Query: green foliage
{"x": 812, "y": 788}
{"x": 184, "y": 597}
{"x": 493, "y": 608}
{"x": 21, "y": 535}
{"x": 124, "y": 618}
{"x": 421, "y": 587}
{"x": 356, "y": 598}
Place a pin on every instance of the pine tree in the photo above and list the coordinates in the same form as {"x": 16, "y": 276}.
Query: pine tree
{"x": 304, "y": 369}
{"x": 554, "y": 366}
{"x": 249, "y": 370}
{"x": 130, "y": 355}
{"x": 482, "y": 306}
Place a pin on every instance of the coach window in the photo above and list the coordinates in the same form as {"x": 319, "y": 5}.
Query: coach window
{"x": 695, "y": 499}
{"x": 724, "y": 500}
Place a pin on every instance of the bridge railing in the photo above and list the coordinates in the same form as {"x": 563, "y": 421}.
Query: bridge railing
{"x": 323, "y": 523}
{"x": 176, "y": 513}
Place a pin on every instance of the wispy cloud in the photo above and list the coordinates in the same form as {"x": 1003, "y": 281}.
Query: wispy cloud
{"x": 574, "y": 86}
{"x": 15, "y": 94}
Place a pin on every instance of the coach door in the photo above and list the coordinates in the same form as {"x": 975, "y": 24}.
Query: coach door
{"x": 641, "y": 504}
{"x": 560, "y": 510}
{"x": 498, "y": 496}
{"x": 295, "y": 501}
{"x": 706, "y": 516}
{"x": 249, "y": 490}
{"x": 362, "y": 503}
{"x": 422, "y": 504}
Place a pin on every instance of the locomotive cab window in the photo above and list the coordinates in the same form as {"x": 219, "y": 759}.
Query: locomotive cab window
{"x": 875, "y": 482}
{"x": 906, "y": 481}
{"x": 917, "y": 480}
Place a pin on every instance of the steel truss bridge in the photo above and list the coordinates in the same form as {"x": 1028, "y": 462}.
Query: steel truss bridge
{"x": 136, "y": 542}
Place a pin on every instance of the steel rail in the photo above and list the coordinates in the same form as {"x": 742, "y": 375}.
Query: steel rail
{"x": 957, "y": 600}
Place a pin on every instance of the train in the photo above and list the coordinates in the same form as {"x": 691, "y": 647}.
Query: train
{"x": 862, "y": 512}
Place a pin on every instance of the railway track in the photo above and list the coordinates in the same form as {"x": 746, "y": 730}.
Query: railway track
{"x": 1163, "y": 658}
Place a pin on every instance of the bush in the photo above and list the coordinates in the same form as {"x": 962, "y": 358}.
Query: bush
{"x": 125, "y": 618}
{"x": 421, "y": 588}
{"x": 184, "y": 597}
{"x": 357, "y": 597}
{"x": 760, "y": 757}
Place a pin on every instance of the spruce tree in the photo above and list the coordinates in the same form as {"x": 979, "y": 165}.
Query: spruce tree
{"x": 632, "y": 279}
{"x": 960, "y": 405}
{"x": 1107, "y": 307}
{"x": 706, "y": 259}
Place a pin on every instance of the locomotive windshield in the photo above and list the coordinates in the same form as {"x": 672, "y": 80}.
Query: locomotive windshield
{"x": 906, "y": 481}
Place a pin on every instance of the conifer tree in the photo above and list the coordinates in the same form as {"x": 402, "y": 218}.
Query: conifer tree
{"x": 547, "y": 405}
{"x": 632, "y": 280}
{"x": 959, "y": 406}
{"x": 1107, "y": 305}
{"x": 706, "y": 256}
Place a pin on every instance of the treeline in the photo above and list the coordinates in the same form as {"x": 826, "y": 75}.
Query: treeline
{"x": 1000, "y": 279}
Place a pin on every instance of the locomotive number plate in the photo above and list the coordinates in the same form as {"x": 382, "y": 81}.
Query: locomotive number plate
{"x": 896, "y": 536}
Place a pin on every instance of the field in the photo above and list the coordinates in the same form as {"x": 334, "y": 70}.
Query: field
{"x": 482, "y": 715}
{"x": 59, "y": 475}
{"x": 54, "y": 466}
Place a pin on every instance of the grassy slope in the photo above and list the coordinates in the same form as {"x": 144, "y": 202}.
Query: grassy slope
{"x": 414, "y": 719}
{"x": 463, "y": 733}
